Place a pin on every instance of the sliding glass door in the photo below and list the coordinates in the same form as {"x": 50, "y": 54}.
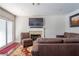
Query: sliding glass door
{"x": 9, "y": 31}
{"x": 2, "y": 32}
{"x": 6, "y": 32}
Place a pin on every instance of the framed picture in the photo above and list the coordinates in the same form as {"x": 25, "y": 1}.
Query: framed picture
{"x": 74, "y": 20}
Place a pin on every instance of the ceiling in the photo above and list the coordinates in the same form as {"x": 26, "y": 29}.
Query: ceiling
{"x": 26, "y": 9}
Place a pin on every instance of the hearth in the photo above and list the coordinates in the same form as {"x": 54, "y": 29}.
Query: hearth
{"x": 35, "y": 36}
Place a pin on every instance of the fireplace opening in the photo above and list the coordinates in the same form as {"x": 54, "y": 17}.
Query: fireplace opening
{"x": 35, "y": 36}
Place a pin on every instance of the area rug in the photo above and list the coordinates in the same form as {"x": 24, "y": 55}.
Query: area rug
{"x": 20, "y": 51}
{"x": 9, "y": 48}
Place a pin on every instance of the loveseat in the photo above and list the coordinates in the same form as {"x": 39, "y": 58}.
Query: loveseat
{"x": 66, "y": 46}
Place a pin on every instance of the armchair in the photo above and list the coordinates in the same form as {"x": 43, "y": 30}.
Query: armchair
{"x": 26, "y": 40}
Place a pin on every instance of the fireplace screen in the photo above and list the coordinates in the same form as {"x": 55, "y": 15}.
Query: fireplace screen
{"x": 35, "y": 36}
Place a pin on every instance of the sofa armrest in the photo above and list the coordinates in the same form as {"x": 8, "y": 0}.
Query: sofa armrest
{"x": 35, "y": 51}
{"x": 60, "y": 36}
{"x": 27, "y": 42}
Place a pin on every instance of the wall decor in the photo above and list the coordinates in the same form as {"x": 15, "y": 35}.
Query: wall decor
{"x": 74, "y": 20}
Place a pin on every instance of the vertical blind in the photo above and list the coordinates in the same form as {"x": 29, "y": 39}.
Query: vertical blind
{"x": 6, "y": 27}
{"x": 5, "y": 14}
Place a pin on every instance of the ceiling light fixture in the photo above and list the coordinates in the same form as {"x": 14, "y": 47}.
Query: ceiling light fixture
{"x": 35, "y": 3}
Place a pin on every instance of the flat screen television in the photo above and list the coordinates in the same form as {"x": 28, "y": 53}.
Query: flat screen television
{"x": 36, "y": 22}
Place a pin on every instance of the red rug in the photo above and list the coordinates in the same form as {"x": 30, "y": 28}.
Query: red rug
{"x": 8, "y": 48}
{"x": 25, "y": 51}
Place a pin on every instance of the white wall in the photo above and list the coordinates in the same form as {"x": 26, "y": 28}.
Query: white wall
{"x": 67, "y": 23}
{"x": 53, "y": 25}
{"x": 21, "y": 26}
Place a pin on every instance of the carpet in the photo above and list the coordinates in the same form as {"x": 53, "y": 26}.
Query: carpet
{"x": 20, "y": 51}
{"x": 8, "y": 48}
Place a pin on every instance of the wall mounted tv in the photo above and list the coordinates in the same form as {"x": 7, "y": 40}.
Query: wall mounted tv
{"x": 36, "y": 22}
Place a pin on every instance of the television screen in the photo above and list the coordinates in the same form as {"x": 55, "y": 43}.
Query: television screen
{"x": 36, "y": 22}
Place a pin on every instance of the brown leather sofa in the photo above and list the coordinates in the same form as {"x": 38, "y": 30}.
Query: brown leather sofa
{"x": 68, "y": 35}
{"x": 67, "y": 46}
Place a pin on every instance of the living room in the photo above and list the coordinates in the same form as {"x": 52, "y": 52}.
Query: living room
{"x": 21, "y": 30}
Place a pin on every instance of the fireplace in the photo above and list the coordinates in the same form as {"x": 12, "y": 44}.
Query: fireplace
{"x": 35, "y": 36}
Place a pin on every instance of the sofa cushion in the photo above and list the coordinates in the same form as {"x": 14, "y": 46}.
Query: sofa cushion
{"x": 74, "y": 35}
{"x": 50, "y": 40}
{"x": 25, "y": 35}
{"x": 66, "y": 35}
{"x": 71, "y": 40}
{"x": 71, "y": 35}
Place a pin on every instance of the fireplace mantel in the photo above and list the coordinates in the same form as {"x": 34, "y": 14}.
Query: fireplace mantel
{"x": 37, "y": 31}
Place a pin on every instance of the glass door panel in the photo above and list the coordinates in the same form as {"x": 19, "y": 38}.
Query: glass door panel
{"x": 2, "y": 32}
{"x": 9, "y": 31}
